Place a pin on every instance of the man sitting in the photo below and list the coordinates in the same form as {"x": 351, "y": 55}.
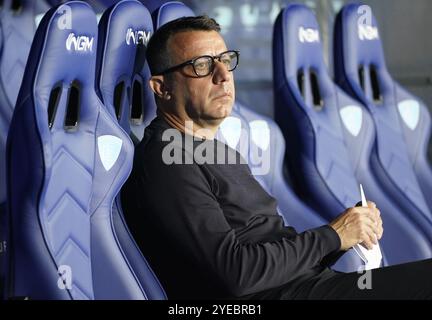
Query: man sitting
{"x": 205, "y": 224}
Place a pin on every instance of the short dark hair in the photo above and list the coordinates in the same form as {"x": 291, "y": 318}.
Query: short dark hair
{"x": 157, "y": 53}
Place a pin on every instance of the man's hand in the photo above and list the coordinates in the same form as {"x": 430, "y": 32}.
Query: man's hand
{"x": 359, "y": 225}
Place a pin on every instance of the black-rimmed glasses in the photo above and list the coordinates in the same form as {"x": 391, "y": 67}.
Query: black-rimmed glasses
{"x": 204, "y": 65}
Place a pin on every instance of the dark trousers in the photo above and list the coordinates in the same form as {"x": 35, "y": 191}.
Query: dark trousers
{"x": 405, "y": 281}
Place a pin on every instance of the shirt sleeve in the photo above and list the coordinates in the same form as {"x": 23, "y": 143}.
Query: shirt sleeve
{"x": 201, "y": 226}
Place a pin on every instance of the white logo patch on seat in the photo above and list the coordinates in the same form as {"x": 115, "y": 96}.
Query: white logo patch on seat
{"x": 260, "y": 133}
{"x": 109, "y": 150}
{"x": 308, "y": 35}
{"x": 352, "y": 118}
{"x": 409, "y": 111}
{"x": 231, "y": 131}
{"x": 367, "y": 32}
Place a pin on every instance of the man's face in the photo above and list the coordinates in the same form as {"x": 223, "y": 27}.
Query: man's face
{"x": 204, "y": 100}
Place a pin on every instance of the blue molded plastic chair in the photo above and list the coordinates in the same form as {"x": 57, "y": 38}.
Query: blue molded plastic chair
{"x": 66, "y": 162}
{"x": 403, "y": 122}
{"x": 124, "y": 27}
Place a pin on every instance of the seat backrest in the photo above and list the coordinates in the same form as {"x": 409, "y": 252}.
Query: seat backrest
{"x": 143, "y": 105}
{"x": 332, "y": 135}
{"x": 123, "y": 28}
{"x": 303, "y": 92}
{"x": 402, "y": 121}
{"x": 121, "y": 84}
{"x": 164, "y": 13}
{"x": 66, "y": 162}
{"x": 142, "y": 108}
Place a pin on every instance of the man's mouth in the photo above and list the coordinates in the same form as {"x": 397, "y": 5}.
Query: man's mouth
{"x": 223, "y": 95}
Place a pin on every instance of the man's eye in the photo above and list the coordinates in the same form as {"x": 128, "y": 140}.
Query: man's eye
{"x": 226, "y": 61}
{"x": 201, "y": 65}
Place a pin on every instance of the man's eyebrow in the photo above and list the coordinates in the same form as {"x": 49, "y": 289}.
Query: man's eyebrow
{"x": 207, "y": 54}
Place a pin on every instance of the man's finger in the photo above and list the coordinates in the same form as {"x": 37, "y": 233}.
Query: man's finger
{"x": 373, "y": 227}
{"x": 363, "y": 210}
{"x": 381, "y": 231}
{"x": 371, "y": 204}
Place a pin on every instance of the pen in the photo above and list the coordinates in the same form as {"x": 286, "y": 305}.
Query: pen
{"x": 363, "y": 198}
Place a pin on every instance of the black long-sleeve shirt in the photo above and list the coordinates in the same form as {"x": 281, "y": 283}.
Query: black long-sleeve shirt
{"x": 210, "y": 230}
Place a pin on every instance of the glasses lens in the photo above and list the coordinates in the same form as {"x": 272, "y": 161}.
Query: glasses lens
{"x": 230, "y": 60}
{"x": 203, "y": 66}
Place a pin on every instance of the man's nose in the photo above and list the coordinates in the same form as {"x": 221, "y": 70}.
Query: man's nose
{"x": 220, "y": 72}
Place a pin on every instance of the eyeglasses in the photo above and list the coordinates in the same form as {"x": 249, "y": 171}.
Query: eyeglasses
{"x": 204, "y": 65}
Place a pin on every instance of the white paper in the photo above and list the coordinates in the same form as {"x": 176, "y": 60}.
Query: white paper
{"x": 372, "y": 258}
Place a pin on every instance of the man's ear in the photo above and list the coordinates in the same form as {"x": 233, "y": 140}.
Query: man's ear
{"x": 159, "y": 87}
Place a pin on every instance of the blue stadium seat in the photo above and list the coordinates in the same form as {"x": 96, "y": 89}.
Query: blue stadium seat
{"x": 330, "y": 136}
{"x": 402, "y": 120}
{"x": 66, "y": 161}
{"x": 123, "y": 28}
{"x": 259, "y": 140}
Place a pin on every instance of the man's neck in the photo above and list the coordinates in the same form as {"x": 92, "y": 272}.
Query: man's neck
{"x": 188, "y": 126}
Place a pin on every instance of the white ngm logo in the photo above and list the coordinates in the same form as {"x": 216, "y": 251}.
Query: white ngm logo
{"x": 308, "y": 35}
{"x": 79, "y": 43}
{"x": 367, "y": 32}
{"x": 137, "y": 37}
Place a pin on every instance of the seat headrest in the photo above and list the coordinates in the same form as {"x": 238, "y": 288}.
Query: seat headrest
{"x": 63, "y": 56}
{"x": 123, "y": 28}
{"x": 66, "y": 45}
{"x": 358, "y": 33}
{"x": 298, "y": 57}
{"x": 170, "y": 11}
{"x": 297, "y": 40}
